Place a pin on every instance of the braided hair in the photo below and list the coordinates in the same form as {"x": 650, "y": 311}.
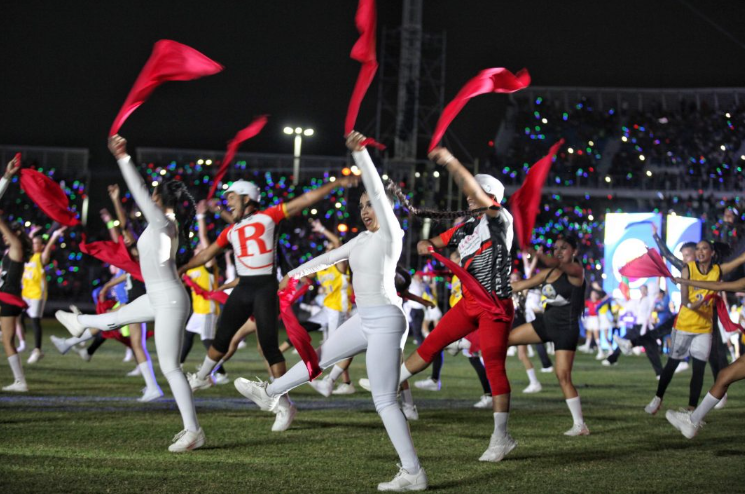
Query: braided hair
{"x": 176, "y": 196}
{"x": 392, "y": 188}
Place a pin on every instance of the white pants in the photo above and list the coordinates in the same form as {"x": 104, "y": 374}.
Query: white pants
{"x": 35, "y": 307}
{"x": 167, "y": 304}
{"x": 381, "y": 332}
{"x": 204, "y": 325}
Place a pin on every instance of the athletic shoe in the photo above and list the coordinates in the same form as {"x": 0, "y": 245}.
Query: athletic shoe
{"x": 608, "y": 363}
{"x": 344, "y": 389}
{"x": 365, "y": 384}
{"x": 220, "y": 379}
{"x": 546, "y": 370}
{"x": 285, "y": 413}
{"x": 600, "y": 356}
{"x": 70, "y": 321}
{"x": 721, "y": 403}
{"x": 256, "y": 392}
{"x": 410, "y": 412}
{"x": 18, "y": 387}
{"x": 484, "y": 402}
{"x": 428, "y": 384}
{"x": 498, "y": 448}
{"x": 578, "y": 430}
{"x": 625, "y": 345}
{"x": 584, "y": 348}
{"x": 241, "y": 345}
{"x": 134, "y": 372}
{"x": 36, "y": 355}
{"x": 682, "y": 421}
{"x": 83, "y": 352}
{"x": 324, "y": 386}
{"x": 533, "y": 388}
{"x": 186, "y": 441}
{"x": 657, "y": 377}
{"x": 150, "y": 394}
{"x": 654, "y": 406}
{"x": 682, "y": 367}
{"x": 196, "y": 383}
{"x": 59, "y": 344}
{"x": 531, "y": 353}
{"x": 21, "y": 346}
{"x": 512, "y": 351}
{"x": 405, "y": 481}
{"x": 453, "y": 348}
{"x": 128, "y": 355}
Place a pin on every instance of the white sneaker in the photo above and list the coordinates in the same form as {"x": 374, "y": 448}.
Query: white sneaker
{"x": 546, "y": 370}
{"x": 36, "y": 355}
{"x": 721, "y": 403}
{"x": 18, "y": 387}
{"x": 134, "y": 372}
{"x": 498, "y": 448}
{"x": 186, "y": 441}
{"x": 241, "y": 345}
{"x": 70, "y": 321}
{"x": 21, "y": 346}
{"x": 428, "y": 384}
{"x": 410, "y": 412}
{"x": 531, "y": 353}
{"x": 654, "y": 406}
{"x": 365, "y": 384}
{"x": 83, "y": 352}
{"x": 608, "y": 363}
{"x": 149, "y": 394}
{"x": 220, "y": 379}
{"x": 128, "y": 355}
{"x": 324, "y": 386}
{"x": 578, "y": 430}
{"x": 453, "y": 348}
{"x": 600, "y": 355}
{"x": 285, "y": 414}
{"x": 256, "y": 392}
{"x": 196, "y": 383}
{"x": 344, "y": 389}
{"x": 625, "y": 345}
{"x": 682, "y": 421}
{"x": 512, "y": 351}
{"x": 59, "y": 344}
{"x": 405, "y": 481}
{"x": 533, "y": 388}
{"x": 486, "y": 401}
{"x": 584, "y": 349}
{"x": 682, "y": 367}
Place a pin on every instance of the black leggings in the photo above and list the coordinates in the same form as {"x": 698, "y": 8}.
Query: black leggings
{"x": 481, "y": 372}
{"x": 697, "y": 379}
{"x": 254, "y": 296}
{"x": 417, "y": 318}
{"x": 437, "y": 366}
{"x": 189, "y": 343}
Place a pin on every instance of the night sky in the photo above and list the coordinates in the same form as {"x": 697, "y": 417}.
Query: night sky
{"x": 67, "y": 66}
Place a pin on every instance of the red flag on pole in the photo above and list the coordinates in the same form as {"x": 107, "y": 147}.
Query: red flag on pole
{"x": 49, "y": 196}
{"x": 169, "y": 61}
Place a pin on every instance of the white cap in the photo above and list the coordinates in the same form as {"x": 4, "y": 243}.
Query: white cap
{"x": 244, "y": 188}
{"x": 491, "y": 186}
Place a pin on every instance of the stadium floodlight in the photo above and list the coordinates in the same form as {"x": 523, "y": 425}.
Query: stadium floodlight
{"x": 298, "y": 132}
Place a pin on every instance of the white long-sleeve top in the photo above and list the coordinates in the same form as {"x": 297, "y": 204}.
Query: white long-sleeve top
{"x": 4, "y": 182}
{"x": 158, "y": 244}
{"x": 372, "y": 255}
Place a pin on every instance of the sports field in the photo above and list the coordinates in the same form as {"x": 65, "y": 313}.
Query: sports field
{"x": 80, "y": 430}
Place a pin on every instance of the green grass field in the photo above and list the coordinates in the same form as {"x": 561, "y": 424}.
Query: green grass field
{"x": 80, "y": 430}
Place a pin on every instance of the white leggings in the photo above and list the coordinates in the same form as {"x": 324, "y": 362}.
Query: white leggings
{"x": 168, "y": 305}
{"x": 382, "y": 332}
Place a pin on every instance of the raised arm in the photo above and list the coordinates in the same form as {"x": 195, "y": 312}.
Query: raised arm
{"x": 531, "y": 282}
{"x": 153, "y": 214}
{"x": 666, "y": 252}
{"x": 573, "y": 269}
{"x": 214, "y": 206}
{"x": 109, "y": 285}
{"x": 107, "y": 219}
{"x": 730, "y": 266}
{"x": 201, "y": 259}
{"x": 463, "y": 179}
{"x": 306, "y": 200}
{"x": 46, "y": 254}
{"x": 114, "y": 194}
{"x": 727, "y": 286}
{"x": 204, "y": 241}
{"x": 13, "y": 166}
{"x": 15, "y": 246}
{"x": 323, "y": 261}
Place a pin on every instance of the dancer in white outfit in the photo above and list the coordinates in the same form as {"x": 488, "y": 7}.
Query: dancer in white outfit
{"x": 166, "y": 301}
{"x": 379, "y": 327}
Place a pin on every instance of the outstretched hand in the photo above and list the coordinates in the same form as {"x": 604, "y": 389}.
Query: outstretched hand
{"x": 202, "y": 207}
{"x": 348, "y": 181}
{"x": 13, "y": 166}
{"x": 114, "y": 191}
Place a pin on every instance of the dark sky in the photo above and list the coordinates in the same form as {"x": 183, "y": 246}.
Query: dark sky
{"x": 67, "y": 66}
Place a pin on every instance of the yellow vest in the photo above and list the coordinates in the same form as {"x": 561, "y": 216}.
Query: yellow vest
{"x": 337, "y": 288}
{"x": 204, "y": 279}
{"x": 700, "y": 320}
{"x": 34, "y": 281}
{"x": 455, "y": 291}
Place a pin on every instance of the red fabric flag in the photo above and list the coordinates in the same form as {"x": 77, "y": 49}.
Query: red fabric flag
{"x": 169, "y": 61}
{"x": 10, "y": 299}
{"x": 496, "y": 80}
{"x": 218, "y": 296}
{"x": 649, "y": 265}
{"x": 48, "y": 195}
{"x": 105, "y": 306}
{"x": 243, "y": 135}
{"x": 525, "y": 202}
{"x": 723, "y": 314}
{"x": 298, "y": 336}
{"x": 115, "y": 253}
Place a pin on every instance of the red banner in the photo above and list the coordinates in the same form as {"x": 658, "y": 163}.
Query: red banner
{"x": 49, "y": 196}
{"x": 298, "y": 336}
{"x": 115, "y": 253}
{"x": 218, "y": 296}
{"x": 649, "y": 265}
{"x": 243, "y": 135}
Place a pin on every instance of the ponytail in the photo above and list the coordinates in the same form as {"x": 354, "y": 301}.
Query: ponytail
{"x": 392, "y": 188}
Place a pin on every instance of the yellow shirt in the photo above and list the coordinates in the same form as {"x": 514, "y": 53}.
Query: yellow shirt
{"x": 455, "y": 291}
{"x": 700, "y": 320}
{"x": 205, "y": 280}
{"x": 34, "y": 281}
{"x": 337, "y": 288}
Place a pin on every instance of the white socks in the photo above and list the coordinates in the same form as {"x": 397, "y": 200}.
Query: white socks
{"x": 72, "y": 341}
{"x": 15, "y": 366}
{"x": 500, "y": 423}
{"x": 206, "y": 368}
{"x": 405, "y": 374}
{"x": 335, "y": 373}
{"x": 705, "y": 407}
{"x": 575, "y": 407}
{"x": 146, "y": 369}
{"x": 406, "y": 397}
{"x": 531, "y": 376}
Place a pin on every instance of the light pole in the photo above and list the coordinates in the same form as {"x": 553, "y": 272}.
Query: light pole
{"x": 298, "y": 132}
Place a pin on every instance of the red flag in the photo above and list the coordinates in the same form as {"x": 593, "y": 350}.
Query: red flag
{"x": 169, "y": 61}
{"x": 525, "y": 203}
{"x": 496, "y": 80}
{"x": 115, "y": 253}
{"x": 48, "y": 195}
{"x": 243, "y": 135}
{"x": 363, "y": 51}
{"x": 649, "y": 265}
{"x": 105, "y": 306}
{"x": 723, "y": 314}
{"x": 10, "y": 299}
{"x": 218, "y": 296}
{"x": 298, "y": 336}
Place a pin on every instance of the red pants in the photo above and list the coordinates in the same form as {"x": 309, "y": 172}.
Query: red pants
{"x": 468, "y": 316}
